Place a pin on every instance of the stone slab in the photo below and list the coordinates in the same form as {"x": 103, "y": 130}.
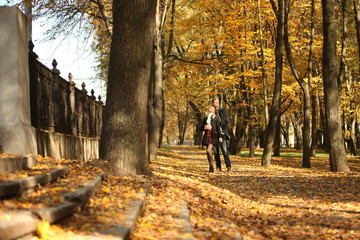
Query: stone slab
{"x": 122, "y": 231}
{"x": 18, "y": 186}
{"x": 83, "y": 194}
{"x": 184, "y": 215}
{"x": 56, "y": 213}
{"x": 14, "y": 225}
{"x": 12, "y": 164}
{"x": 18, "y": 224}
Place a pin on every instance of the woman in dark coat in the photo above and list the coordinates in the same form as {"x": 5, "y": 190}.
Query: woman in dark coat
{"x": 212, "y": 135}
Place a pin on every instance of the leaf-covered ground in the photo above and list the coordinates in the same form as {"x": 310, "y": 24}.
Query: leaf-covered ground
{"x": 283, "y": 202}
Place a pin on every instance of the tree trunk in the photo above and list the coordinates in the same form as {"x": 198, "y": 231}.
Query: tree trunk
{"x": 314, "y": 112}
{"x": 199, "y": 124}
{"x": 277, "y": 138}
{"x": 343, "y": 66}
{"x": 307, "y": 128}
{"x": 357, "y": 21}
{"x": 297, "y": 125}
{"x": 124, "y": 139}
{"x": 164, "y": 58}
{"x": 357, "y": 135}
{"x": 306, "y": 95}
{"x": 252, "y": 141}
{"x": 262, "y": 62}
{"x": 285, "y": 133}
{"x": 251, "y": 127}
{"x": 325, "y": 134}
{"x": 156, "y": 96}
{"x": 275, "y": 106}
{"x": 237, "y": 140}
{"x": 310, "y": 72}
{"x": 338, "y": 160}
{"x": 352, "y": 134}
{"x": 182, "y": 125}
{"x": 349, "y": 139}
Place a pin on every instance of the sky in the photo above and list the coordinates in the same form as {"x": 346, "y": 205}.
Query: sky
{"x": 72, "y": 55}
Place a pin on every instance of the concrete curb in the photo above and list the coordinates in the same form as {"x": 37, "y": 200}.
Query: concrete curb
{"x": 184, "y": 215}
{"x": 75, "y": 201}
{"x": 83, "y": 194}
{"x": 18, "y": 186}
{"x": 22, "y": 223}
{"x": 122, "y": 231}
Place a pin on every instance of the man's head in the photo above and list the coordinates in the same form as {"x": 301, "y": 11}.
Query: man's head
{"x": 215, "y": 102}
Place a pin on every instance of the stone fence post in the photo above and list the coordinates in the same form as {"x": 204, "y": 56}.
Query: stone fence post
{"x": 17, "y": 136}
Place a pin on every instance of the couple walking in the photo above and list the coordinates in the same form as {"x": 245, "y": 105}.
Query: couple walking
{"x": 216, "y": 126}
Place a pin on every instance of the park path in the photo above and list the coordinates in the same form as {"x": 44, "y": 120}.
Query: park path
{"x": 283, "y": 202}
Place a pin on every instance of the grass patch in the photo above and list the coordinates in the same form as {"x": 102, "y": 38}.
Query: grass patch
{"x": 165, "y": 149}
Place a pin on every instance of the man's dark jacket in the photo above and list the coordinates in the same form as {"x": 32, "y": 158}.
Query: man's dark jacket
{"x": 225, "y": 121}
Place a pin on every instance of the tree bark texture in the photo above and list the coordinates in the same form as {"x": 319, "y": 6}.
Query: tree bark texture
{"x": 252, "y": 140}
{"x": 306, "y": 95}
{"x": 124, "y": 139}
{"x": 262, "y": 63}
{"x": 277, "y": 138}
{"x": 199, "y": 124}
{"x": 156, "y": 95}
{"x": 338, "y": 160}
{"x": 310, "y": 74}
{"x": 356, "y": 4}
{"x": 182, "y": 124}
{"x": 275, "y": 106}
{"x": 251, "y": 127}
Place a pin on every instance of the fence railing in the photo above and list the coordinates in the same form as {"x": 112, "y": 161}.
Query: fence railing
{"x": 58, "y": 106}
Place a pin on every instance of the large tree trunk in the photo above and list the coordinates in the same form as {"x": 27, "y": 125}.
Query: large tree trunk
{"x": 357, "y": 21}
{"x": 124, "y": 138}
{"x": 338, "y": 160}
{"x": 156, "y": 96}
{"x": 275, "y": 106}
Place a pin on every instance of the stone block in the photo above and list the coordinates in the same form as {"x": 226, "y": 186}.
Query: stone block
{"x": 17, "y": 136}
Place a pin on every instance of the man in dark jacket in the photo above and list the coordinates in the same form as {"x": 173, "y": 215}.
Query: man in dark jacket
{"x": 225, "y": 127}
